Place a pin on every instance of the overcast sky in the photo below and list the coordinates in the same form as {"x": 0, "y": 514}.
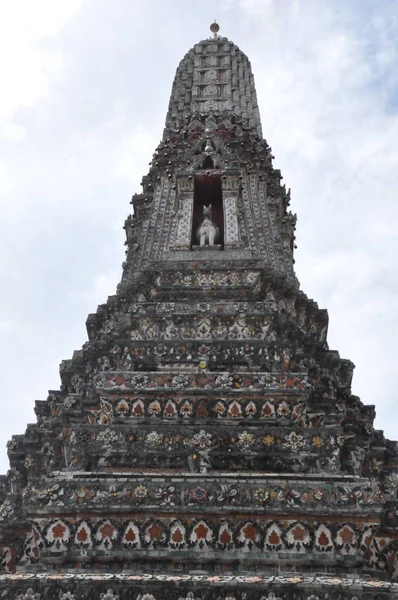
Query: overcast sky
{"x": 84, "y": 92}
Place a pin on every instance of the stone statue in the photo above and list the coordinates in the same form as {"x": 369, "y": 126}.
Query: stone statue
{"x": 207, "y": 232}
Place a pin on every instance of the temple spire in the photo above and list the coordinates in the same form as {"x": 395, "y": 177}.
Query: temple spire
{"x": 204, "y": 442}
{"x": 214, "y": 77}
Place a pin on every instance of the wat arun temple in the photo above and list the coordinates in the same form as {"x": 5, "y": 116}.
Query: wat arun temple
{"x": 204, "y": 443}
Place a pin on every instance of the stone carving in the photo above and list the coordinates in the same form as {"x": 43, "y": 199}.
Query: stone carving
{"x": 245, "y": 493}
{"x": 211, "y": 90}
{"x": 294, "y": 382}
{"x": 67, "y": 596}
{"x": 289, "y": 586}
{"x": 231, "y": 220}
{"x": 109, "y": 595}
{"x": 235, "y": 67}
{"x": 208, "y": 278}
{"x": 207, "y": 232}
{"x": 184, "y": 216}
{"x": 29, "y": 595}
{"x": 148, "y": 535}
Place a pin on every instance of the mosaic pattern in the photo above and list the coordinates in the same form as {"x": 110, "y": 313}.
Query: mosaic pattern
{"x": 285, "y": 412}
{"x": 205, "y": 279}
{"x": 182, "y": 308}
{"x": 191, "y": 450}
{"x": 271, "y": 357}
{"x": 311, "y": 322}
{"x": 334, "y": 582}
{"x": 223, "y": 63}
{"x": 184, "y": 223}
{"x": 148, "y": 586}
{"x": 220, "y": 381}
{"x": 258, "y": 494}
{"x": 231, "y": 220}
{"x": 202, "y": 328}
{"x": 201, "y": 535}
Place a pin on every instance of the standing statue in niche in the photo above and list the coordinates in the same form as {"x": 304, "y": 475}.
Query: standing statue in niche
{"x": 207, "y": 232}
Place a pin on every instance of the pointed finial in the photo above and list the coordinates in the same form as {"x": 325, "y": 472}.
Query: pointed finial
{"x": 214, "y": 27}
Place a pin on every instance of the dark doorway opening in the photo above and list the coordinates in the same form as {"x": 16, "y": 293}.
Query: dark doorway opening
{"x": 208, "y": 163}
{"x": 207, "y": 190}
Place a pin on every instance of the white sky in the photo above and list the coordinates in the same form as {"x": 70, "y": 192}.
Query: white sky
{"x": 84, "y": 92}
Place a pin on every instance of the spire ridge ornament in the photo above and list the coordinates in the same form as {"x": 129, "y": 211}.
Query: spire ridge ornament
{"x": 215, "y": 28}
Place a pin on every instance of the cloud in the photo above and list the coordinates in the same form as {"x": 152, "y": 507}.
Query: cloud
{"x": 24, "y": 62}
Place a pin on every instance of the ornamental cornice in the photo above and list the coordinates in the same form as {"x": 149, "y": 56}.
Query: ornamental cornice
{"x": 148, "y": 586}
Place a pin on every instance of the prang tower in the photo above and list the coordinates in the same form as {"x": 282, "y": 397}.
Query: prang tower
{"x": 205, "y": 442}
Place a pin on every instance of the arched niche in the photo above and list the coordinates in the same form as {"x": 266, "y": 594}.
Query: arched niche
{"x": 207, "y": 190}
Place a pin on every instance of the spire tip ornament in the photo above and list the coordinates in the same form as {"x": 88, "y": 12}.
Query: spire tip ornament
{"x": 214, "y": 27}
